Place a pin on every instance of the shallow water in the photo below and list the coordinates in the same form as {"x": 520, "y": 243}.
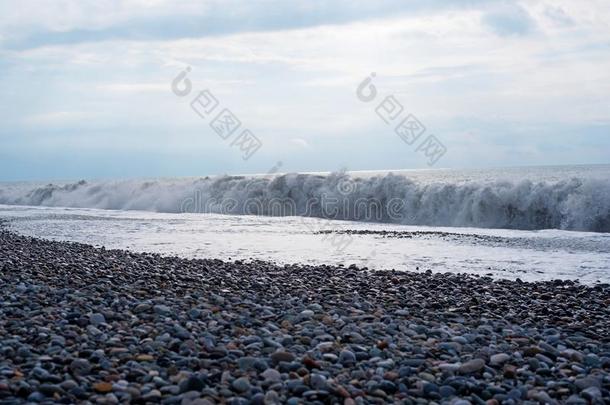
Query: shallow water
{"x": 529, "y": 255}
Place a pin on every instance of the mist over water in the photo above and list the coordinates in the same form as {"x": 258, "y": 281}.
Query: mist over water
{"x": 480, "y": 199}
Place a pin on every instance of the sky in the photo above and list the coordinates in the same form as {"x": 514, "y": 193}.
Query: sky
{"x": 92, "y": 89}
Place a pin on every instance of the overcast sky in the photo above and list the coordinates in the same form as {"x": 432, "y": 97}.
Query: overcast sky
{"x": 85, "y": 86}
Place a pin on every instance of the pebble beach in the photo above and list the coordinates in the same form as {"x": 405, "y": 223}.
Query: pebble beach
{"x": 80, "y": 324}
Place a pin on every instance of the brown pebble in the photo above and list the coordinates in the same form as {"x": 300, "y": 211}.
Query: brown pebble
{"x": 510, "y": 371}
{"x": 339, "y": 389}
{"x": 390, "y": 375}
{"x": 310, "y": 363}
{"x": 102, "y": 387}
{"x": 531, "y": 351}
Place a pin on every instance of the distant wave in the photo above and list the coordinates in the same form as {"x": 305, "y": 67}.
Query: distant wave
{"x": 574, "y": 204}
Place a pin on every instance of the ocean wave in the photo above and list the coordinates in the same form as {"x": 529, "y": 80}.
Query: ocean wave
{"x": 573, "y": 204}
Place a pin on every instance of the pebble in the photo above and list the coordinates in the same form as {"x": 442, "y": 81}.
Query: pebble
{"x": 241, "y": 384}
{"x": 272, "y": 398}
{"x": 499, "y": 359}
{"x": 282, "y": 356}
{"x": 80, "y": 367}
{"x": 102, "y": 387}
{"x": 472, "y": 366}
{"x": 271, "y": 375}
{"x": 347, "y": 357}
{"x": 97, "y": 319}
{"x": 162, "y": 310}
{"x": 591, "y": 393}
{"x": 446, "y": 391}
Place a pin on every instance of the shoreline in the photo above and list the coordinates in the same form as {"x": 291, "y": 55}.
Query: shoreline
{"x": 79, "y": 323}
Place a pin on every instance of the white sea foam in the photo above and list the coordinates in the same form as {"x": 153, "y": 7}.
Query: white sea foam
{"x": 500, "y": 253}
{"x": 571, "y": 204}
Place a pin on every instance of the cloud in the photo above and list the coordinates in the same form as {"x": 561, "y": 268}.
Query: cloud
{"x": 300, "y": 142}
{"x": 558, "y": 16}
{"x": 133, "y": 87}
{"x": 59, "y": 118}
{"x": 509, "y": 20}
{"x": 72, "y": 22}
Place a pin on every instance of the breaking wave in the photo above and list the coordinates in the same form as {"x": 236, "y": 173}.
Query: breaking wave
{"x": 575, "y": 204}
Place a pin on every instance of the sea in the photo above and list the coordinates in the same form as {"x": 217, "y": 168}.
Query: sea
{"x": 528, "y": 223}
